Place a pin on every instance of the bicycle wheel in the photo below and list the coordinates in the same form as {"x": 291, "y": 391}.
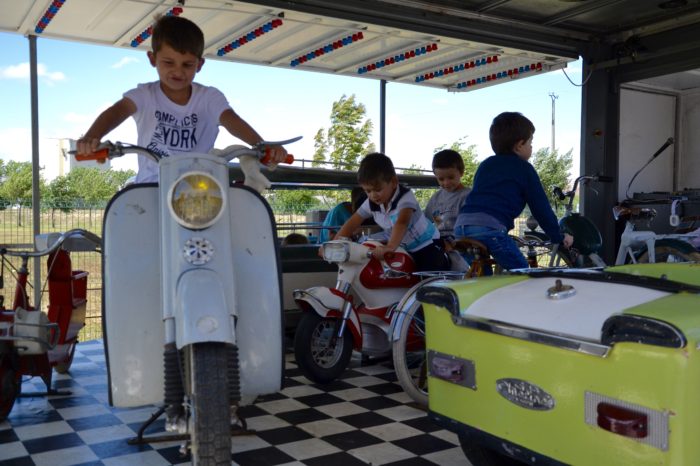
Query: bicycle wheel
{"x": 408, "y": 352}
{"x": 672, "y": 251}
{"x": 536, "y": 246}
{"x": 535, "y": 249}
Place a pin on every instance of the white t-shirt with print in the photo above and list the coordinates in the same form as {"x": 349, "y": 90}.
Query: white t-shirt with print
{"x": 420, "y": 233}
{"x": 169, "y": 128}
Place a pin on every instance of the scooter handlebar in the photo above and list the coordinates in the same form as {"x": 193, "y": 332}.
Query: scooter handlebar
{"x": 100, "y": 155}
{"x": 265, "y": 160}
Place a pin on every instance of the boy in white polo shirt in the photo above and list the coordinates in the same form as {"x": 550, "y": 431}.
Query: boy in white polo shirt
{"x": 396, "y": 210}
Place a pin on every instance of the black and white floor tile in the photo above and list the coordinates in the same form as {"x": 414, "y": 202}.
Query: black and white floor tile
{"x": 362, "y": 419}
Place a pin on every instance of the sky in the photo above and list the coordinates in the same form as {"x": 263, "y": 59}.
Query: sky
{"x": 77, "y": 81}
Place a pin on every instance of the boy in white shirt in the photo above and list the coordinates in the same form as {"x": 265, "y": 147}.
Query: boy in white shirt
{"x": 174, "y": 114}
{"x": 395, "y": 209}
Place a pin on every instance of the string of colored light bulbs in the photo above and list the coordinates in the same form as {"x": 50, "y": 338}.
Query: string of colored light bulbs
{"x": 51, "y": 11}
{"x": 407, "y": 55}
{"x": 176, "y": 11}
{"x": 457, "y": 68}
{"x": 511, "y": 73}
{"x": 328, "y": 48}
{"x": 252, "y": 35}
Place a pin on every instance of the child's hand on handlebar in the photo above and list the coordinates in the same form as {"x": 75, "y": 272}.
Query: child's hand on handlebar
{"x": 380, "y": 252}
{"x": 568, "y": 240}
{"x": 87, "y": 145}
{"x": 275, "y": 155}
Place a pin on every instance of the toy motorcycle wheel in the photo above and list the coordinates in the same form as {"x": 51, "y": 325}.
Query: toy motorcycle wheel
{"x": 408, "y": 351}
{"x": 10, "y": 386}
{"x": 320, "y": 354}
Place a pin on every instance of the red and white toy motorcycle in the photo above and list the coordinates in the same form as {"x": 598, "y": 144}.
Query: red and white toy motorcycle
{"x": 369, "y": 311}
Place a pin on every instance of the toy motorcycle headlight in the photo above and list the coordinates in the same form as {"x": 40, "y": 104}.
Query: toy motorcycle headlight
{"x": 336, "y": 251}
{"x": 196, "y": 200}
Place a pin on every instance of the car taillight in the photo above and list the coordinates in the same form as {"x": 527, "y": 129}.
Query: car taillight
{"x": 622, "y": 421}
{"x": 452, "y": 369}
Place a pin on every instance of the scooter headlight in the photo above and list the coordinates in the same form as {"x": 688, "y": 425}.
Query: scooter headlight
{"x": 336, "y": 251}
{"x": 196, "y": 200}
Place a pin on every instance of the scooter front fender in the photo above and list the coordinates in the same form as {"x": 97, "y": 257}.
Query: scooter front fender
{"x": 201, "y": 311}
{"x": 328, "y": 303}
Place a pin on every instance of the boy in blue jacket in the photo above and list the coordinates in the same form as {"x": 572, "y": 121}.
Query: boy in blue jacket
{"x": 503, "y": 184}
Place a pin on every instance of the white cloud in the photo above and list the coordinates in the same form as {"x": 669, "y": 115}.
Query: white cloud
{"x": 125, "y": 61}
{"x": 21, "y": 71}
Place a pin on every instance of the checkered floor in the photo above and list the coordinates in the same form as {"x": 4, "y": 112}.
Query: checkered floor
{"x": 364, "y": 418}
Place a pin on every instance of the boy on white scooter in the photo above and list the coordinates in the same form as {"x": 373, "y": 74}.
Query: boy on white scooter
{"x": 396, "y": 210}
{"x": 174, "y": 114}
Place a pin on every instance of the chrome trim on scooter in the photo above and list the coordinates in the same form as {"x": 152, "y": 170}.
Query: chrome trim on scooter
{"x": 535, "y": 336}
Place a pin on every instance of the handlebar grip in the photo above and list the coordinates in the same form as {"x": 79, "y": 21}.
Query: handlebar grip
{"x": 101, "y": 155}
{"x": 605, "y": 179}
{"x": 266, "y": 158}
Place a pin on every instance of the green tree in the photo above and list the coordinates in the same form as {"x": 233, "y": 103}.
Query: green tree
{"x": 348, "y": 137}
{"x": 94, "y": 186}
{"x": 292, "y": 201}
{"x": 553, "y": 169}
{"x": 16, "y": 182}
{"x": 58, "y": 195}
{"x": 16, "y": 185}
{"x": 4, "y": 202}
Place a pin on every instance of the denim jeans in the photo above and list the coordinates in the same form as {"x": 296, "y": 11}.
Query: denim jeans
{"x": 503, "y": 249}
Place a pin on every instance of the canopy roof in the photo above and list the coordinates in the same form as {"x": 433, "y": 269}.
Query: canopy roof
{"x": 280, "y": 36}
{"x": 456, "y": 45}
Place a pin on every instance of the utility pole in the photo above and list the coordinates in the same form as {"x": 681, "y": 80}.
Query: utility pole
{"x": 553, "y": 97}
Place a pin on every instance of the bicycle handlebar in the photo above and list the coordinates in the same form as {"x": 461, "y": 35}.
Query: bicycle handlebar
{"x": 561, "y": 195}
{"x": 61, "y": 239}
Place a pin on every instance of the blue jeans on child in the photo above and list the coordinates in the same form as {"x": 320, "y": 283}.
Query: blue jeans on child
{"x": 502, "y": 248}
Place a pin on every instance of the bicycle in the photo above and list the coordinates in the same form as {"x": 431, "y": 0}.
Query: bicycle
{"x": 636, "y": 246}
{"x": 646, "y": 246}
{"x": 34, "y": 342}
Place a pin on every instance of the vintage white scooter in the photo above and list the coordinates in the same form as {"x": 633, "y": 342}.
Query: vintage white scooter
{"x": 192, "y": 306}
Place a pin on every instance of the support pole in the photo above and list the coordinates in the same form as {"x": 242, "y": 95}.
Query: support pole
{"x": 553, "y": 97}
{"x": 382, "y": 116}
{"x": 36, "y": 197}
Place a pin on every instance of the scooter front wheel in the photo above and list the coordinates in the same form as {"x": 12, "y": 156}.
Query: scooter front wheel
{"x": 210, "y": 428}
{"x": 321, "y": 355}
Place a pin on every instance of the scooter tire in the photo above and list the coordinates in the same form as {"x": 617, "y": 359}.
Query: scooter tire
{"x": 321, "y": 357}
{"x": 10, "y": 387}
{"x": 210, "y": 429}
{"x": 410, "y": 362}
